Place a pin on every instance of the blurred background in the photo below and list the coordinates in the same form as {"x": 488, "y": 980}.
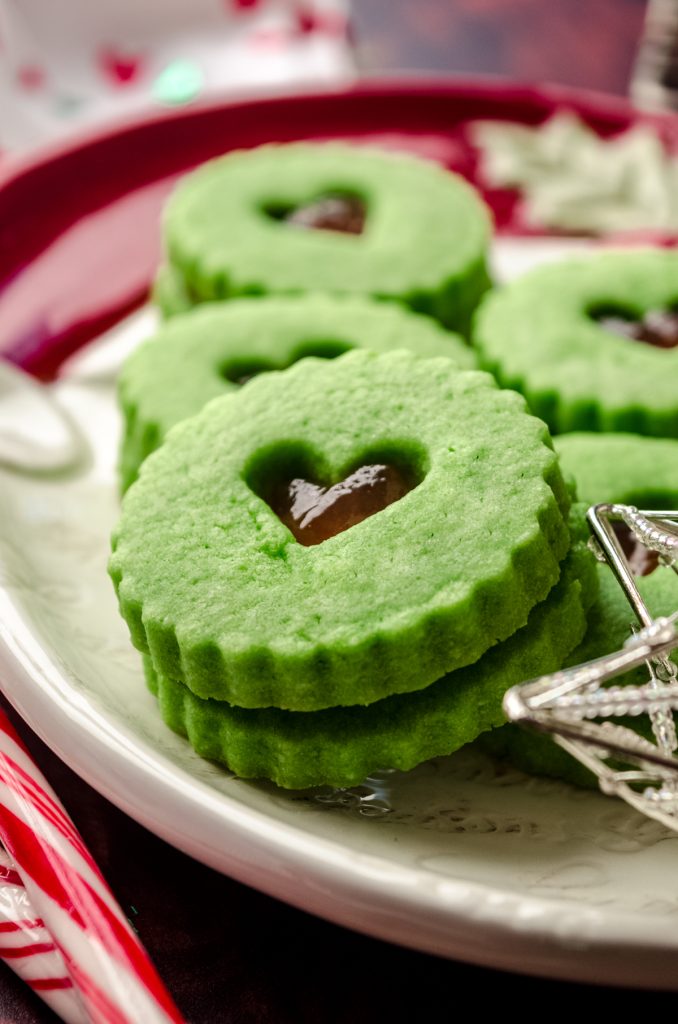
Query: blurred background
{"x": 590, "y": 44}
{"x": 66, "y": 63}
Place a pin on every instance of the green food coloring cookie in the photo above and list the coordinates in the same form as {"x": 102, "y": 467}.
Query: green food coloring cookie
{"x": 215, "y": 348}
{"x": 243, "y": 225}
{"x": 610, "y": 622}
{"x": 641, "y": 471}
{"x": 626, "y": 468}
{"x": 169, "y": 293}
{"x": 341, "y": 746}
{"x": 215, "y": 586}
{"x": 592, "y": 344}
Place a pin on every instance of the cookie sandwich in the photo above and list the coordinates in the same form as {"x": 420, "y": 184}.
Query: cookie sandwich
{"x": 307, "y": 217}
{"x": 217, "y": 347}
{"x": 342, "y": 566}
{"x": 591, "y": 343}
{"x": 640, "y": 471}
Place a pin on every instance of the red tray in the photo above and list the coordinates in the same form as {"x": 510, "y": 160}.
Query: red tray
{"x": 79, "y": 223}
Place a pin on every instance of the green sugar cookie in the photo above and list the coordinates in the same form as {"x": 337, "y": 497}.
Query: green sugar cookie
{"x": 626, "y": 468}
{"x": 204, "y": 354}
{"x": 341, "y": 746}
{"x": 562, "y": 336}
{"x": 609, "y": 625}
{"x": 217, "y": 589}
{"x": 169, "y": 292}
{"x": 424, "y": 240}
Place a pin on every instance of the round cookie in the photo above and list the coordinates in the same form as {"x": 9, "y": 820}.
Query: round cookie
{"x": 641, "y": 471}
{"x": 169, "y": 292}
{"x": 215, "y": 587}
{"x": 609, "y": 624}
{"x": 626, "y": 468}
{"x": 204, "y": 354}
{"x": 341, "y": 746}
{"x": 554, "y": 335}
{"x": 424, "y": 241}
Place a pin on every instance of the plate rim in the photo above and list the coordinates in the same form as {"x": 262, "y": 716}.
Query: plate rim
{"x": 415, "y": 83}
{"x": 460, "y": 919}
{"x": 46, "y": 167}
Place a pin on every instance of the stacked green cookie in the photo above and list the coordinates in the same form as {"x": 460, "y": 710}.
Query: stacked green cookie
{"x": 218, "y": 346}
{"x": 623, "y": 468}
{"x": 246, "y": 224}
{"x": 394, "y": 639}
{"x": 591, "y": 343}
{"x": 593, "y": 346}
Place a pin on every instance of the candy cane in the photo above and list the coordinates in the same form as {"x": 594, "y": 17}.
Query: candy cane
{"x": 79, "y": 925}
{"x": 27, "y": 947}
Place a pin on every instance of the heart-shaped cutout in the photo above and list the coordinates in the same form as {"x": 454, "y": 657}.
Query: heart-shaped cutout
{"x": 341, "y": 212}
{"x": 642, "y": 561}
{"x": 314, "y": 513}
{"x": 239, "y": 371}
{"x": 656, "y": 327}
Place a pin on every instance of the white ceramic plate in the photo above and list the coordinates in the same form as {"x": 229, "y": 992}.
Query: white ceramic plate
{"x": 457, "y": 857}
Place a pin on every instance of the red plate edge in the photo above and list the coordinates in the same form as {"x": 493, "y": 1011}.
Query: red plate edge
{"x": 79, "y": 221}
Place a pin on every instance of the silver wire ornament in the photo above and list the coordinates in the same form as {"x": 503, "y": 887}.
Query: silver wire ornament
{"x": 581, "y": 706}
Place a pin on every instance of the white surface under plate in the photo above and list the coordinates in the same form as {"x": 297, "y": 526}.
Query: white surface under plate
{"x": 457, "y": 857}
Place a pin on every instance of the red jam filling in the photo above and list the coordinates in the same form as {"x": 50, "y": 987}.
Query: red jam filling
{"x": 313, "y": 513}
{"x": 331, "y": 213}
{"x": 641, "y": 560}
{"x": 659, "y": 327}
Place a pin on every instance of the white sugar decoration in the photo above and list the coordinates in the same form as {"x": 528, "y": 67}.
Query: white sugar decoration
{"x": 573, "y": 180}
{"x": 581, "y": 707}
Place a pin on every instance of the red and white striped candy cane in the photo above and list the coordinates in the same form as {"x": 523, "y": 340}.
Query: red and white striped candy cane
{"x": 111, "y": 972}
{"x": 27, "y": 947}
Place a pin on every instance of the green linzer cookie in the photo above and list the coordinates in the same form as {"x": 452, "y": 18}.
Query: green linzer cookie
{"x": 592, "y": 343}
{"x": 308, "y": 217}
{"x": 216, "y": 347}
{"x": 214, "y": 585}
{"x": 609, "y": 625}
{"x": 170, "y": 293}
{"x": 626, "y": 468}
{"x": 341, "y": 746}
{"x": 641, "y": 471}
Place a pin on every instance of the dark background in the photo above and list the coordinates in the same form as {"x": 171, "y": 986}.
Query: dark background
{"x": 589, "y": 43}
{"x": 228, "y": 954}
